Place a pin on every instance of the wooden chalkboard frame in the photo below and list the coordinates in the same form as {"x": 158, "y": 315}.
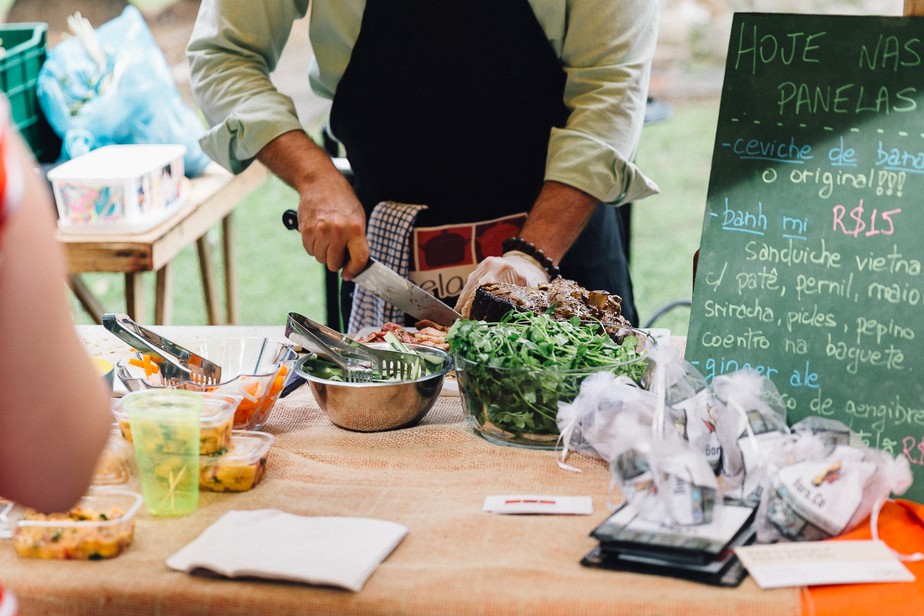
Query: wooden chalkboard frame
{"x": 808, "y": 214}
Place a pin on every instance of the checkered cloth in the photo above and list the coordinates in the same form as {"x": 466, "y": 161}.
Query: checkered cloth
{"x": 388, "y": 233}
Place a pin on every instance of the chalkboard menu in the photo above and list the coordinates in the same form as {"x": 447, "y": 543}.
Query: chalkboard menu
{"x": 811, "y": 267}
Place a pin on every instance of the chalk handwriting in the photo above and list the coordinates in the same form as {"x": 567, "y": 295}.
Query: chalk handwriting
{"x": 899, "y": 159}
{"x": 881, "y": 330}
{"x": 744, "y": 220}
{"x": 747, "y": 339}
{"x": 894, "y": 293}
{"x": 892, "y": 263}
{"x": 913, "y": 449}
{"x": 791, "y": 254}
{"x": 889, "y": 357}
{"x": 784, "y": 151}
{"x": 767, "y": 279}
{"x": 752, "y": 310}
{"x": 756, "y": 48}
{"x": 800, "y": 98}
{"x": 713, "y": 367}
{"x": 891, "y": 53}
{"x": 811, "y": 270}
{"x": 864, "y": 222}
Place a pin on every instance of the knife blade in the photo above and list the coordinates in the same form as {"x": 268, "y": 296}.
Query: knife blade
{"x": 389, "y": 285}
{"x": 403, "y": 294}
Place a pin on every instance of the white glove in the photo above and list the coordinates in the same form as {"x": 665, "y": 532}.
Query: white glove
{"x": 514, "y": 267}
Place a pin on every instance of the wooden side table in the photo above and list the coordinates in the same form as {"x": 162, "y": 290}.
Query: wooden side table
{"x": 212, "y": 199}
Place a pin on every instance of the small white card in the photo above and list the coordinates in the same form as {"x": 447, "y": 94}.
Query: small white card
{"x": 541, "y": 504}
{"x": 810, "y": 563}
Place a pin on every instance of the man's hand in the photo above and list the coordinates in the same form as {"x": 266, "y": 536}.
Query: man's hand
{"x": 330, "y": 218}
{"x": 514, "y": 267}
{"x": 333, "y": 224}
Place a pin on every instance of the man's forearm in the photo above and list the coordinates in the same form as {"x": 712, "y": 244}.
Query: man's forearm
{"x": 296, "y": 159}
{"x": 557, "y": 218}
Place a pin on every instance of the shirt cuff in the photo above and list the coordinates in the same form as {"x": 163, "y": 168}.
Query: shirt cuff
{"x": 595, "y": 168}
{"x": 234, "y": 143}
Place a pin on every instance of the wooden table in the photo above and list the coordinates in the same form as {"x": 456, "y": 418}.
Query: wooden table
{"x": 212, "y": 198}
{"x": 432, "y": 478}
{"x": 455, "y": 560}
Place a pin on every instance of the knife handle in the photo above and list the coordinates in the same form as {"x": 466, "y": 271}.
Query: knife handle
{"x": 290, "y": 220}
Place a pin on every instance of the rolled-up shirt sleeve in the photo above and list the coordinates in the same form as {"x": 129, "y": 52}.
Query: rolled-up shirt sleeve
{"x": 606, "y": 51}
{"x": 233, "y": 49}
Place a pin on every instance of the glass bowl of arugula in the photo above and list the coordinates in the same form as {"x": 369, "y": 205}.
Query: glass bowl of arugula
{"x": 512, "y": 374}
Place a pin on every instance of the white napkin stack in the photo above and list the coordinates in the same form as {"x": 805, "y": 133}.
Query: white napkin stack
{"x": 266, "y": 543}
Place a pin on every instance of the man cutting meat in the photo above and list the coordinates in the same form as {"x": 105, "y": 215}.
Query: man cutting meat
{"x": 489, "y": 139}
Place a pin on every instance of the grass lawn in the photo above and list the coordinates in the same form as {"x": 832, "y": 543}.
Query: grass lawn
{"x": 677, "y": 154}
{"x": 275, "y": 276}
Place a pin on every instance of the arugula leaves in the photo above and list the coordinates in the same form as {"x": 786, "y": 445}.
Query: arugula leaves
{"x": 516, "y": 371}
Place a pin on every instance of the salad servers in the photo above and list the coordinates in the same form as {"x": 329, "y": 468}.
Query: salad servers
{"x": 353, "y": 369}
{"x": 176, "y": 363}
{"x": 390, "y": 364}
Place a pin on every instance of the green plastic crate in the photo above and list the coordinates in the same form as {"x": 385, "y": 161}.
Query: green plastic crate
{"x": 23, "y": 56}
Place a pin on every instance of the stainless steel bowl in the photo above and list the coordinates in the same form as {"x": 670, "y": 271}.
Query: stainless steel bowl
{"x": 374, "y": 407}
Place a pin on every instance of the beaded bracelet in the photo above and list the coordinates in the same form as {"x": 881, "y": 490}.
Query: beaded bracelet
{"x": 518, "y": 243}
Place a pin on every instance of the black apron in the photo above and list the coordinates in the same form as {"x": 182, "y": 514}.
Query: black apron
{"x": 450, "y": 104}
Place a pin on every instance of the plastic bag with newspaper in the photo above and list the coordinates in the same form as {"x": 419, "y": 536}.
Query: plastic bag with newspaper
{"x": 112, "y": 86}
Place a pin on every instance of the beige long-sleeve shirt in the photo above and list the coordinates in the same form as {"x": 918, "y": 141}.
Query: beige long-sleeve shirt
{"x": 605, "y": 47}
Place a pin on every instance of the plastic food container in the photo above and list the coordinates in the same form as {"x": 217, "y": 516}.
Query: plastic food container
{"x": 216, "y": 422}
{"x": 124, "y": 188}
{"x": 240, "y": 468}
{"x": 101, "y": 525}
{"x": 116, "y": 465}
{"x": 252, "y": 368}
{"x": 106, "y": 371}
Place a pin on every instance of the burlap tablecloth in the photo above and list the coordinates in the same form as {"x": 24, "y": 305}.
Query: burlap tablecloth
{"x": 456, "y": 559}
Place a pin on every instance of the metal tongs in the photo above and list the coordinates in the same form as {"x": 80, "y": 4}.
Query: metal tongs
{"x": 176, "y": 363}
{"x": 352, "y": 369}
{"x": 356, "y": 360}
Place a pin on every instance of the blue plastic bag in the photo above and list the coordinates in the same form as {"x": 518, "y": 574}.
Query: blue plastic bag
{"x": 121, "y": 92}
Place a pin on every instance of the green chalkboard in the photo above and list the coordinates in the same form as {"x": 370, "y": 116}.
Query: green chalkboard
{"x": 811, "y": 266}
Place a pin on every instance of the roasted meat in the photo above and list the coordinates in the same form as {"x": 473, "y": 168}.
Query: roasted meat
{"x": 427, "y": 333}
{"x": 562, "y": 298}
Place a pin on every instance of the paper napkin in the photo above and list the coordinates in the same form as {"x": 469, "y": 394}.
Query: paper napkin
{"x": 271, "y": 544}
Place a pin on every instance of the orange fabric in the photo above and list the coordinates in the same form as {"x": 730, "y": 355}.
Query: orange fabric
{"x": 901, "y": 526}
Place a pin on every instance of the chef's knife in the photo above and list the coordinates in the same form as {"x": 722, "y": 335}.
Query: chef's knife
{"x": 404, "y": 294}
{"x": 386, "y": 283}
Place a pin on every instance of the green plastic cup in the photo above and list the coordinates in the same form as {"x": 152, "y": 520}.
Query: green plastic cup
{"x": 165, "y": 433}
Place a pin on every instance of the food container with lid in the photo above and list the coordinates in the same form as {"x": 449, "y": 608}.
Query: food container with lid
{"x": 106, "y": 371}
{"x": 101, "y": 525}
{"x": 240, "y": 467}
{"x": 253, "y": 369}
{"x": 216, "y": 419}
{"x": 116, "y": 465}
{"x": 122, "y": 188}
